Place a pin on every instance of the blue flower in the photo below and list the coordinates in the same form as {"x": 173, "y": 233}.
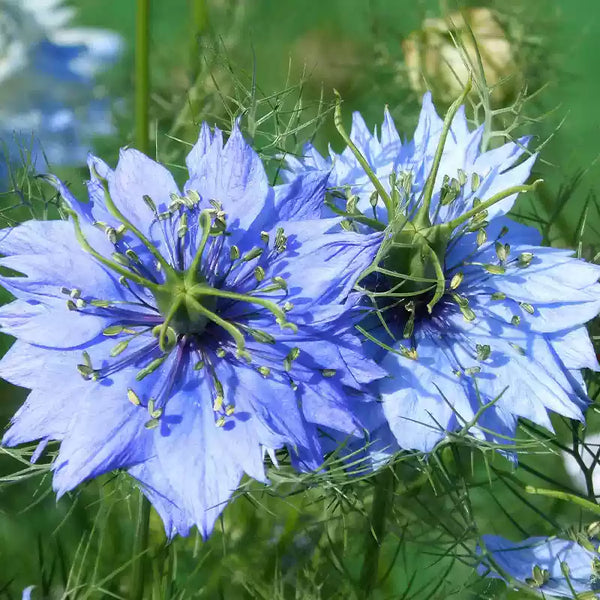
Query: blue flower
{"x": 476, "y": 323}
{"x": 551, "y": 566}
{"x": 182, "y": 334}
{"x": 48, "y": 92}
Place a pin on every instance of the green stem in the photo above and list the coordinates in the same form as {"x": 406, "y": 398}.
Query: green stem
{"x": 142, "y": 139}
{"x": 142, "y": 75}
{"x": 585, "y": 504}
{"x": 140, "y": 549}
{"x": 383, "y": 495}
{"x": 422, "y": 218}
{"x": 199, "y": 16}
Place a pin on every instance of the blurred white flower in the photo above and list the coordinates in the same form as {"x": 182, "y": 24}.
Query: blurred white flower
{"x": 435, "y": 62}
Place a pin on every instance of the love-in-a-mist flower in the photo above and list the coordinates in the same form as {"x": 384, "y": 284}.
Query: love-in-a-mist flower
{"x": 181, "y": 334}
{"x": 49, "y": 98}
{"x": 476, "y": 323}
{"x": 553, "y": 567}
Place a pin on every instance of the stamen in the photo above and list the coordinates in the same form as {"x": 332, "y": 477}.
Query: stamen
{"x": 292, "y": 355}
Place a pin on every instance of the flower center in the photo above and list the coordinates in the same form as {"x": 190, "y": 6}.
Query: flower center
{"x": 183, "y": 306}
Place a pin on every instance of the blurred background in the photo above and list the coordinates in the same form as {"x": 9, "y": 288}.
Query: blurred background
{"x": 277, "y": 63}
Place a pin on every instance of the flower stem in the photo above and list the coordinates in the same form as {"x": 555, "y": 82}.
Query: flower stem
{"x": 385, "y": 485}
{"x": 140, "y": 549}
{"x": 142, "y": 139}
{"x": 200, "y": 23}
{"x": 142, "y": 75}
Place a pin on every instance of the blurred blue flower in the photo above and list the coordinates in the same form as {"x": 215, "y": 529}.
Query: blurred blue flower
{"x": 477, "y": 324}
{"x": 551, "y": 566}
{"x": 49, "y": 101}
{"x": 181, "y": 335}
{"x": 27, "y": 592}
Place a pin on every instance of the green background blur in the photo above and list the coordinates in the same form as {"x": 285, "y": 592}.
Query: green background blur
{"x": 307, "y": 544}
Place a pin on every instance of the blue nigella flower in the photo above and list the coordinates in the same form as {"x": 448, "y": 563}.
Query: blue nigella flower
{"x": 552, "y": 566}
{"x": 476, "y": 323}
{"x": 182, "y": 334}
{"x": 48, "y": 96}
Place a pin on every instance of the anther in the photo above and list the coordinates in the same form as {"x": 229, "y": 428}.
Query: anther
{"x": 133, "y": 397}
{"x": 483, "y": 351}
{"x": 456, "y": 280}
{"x": 524, "y": 259}
{"x": 280, "y": 240}
{"x": 292, "y": 355}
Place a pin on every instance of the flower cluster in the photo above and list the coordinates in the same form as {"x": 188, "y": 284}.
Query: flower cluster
{"x": 381, "y": 295}
{"x": 47, "y": 73}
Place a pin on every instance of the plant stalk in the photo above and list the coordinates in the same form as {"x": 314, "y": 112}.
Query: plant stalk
{"x": 140, "y": 549}
{"x": 142, "y": 75}
{"x": 383, "y": 496}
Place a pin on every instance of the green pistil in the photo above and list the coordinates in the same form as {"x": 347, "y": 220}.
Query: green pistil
{"x": 231, "y": 329}
{"x": 451, "y": 225}
{"x": 337, "y": 118}
{"x": 422, "y": 217}
{"x": 162, "y": 338}
{"x": 115, "y": 266}
{"x": 115, "y": 212}
{"x": 280, "y": 316}
{"x": 193, "y": 273}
